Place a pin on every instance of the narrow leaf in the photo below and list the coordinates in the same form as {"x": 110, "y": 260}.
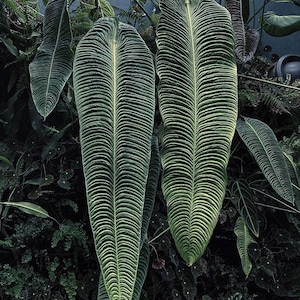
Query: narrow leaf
{"x": 29, "y": 208}
{"x": 52, "y": 65}
{"x": 244, "y": 239}
{"x": 262, "y": 143}
{"x": 246, "y": 38}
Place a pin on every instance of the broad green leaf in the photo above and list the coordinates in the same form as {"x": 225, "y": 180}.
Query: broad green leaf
{"x": 244, "y": 239}
{"x": 262, "y": 143}
{"x": 114, "y": 87}
{"x": 276, "y": 25}
{"x": 29, "y": 208}
{"x": 52, "y": 65}
{"x": 10, "y": 46}
{"x": 6, "y": 161}
{"x": 198, "y": 104}
{"x": 244, "y": 202}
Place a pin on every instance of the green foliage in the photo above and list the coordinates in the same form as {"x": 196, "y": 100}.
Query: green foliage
{"x": 40, "y": 165}
{"x": 52, "y": 64}
{"x": 276, "y": 25}
{"x": 244, "y": 239}
{"x": 262, "y": 143}
{"x": 116, "y": 111}
{"x": 194, "y": 101}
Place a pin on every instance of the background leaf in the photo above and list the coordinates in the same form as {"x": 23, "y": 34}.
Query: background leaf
{"x": 278, "y": 26}
{"x": 244, "y": 239}
{"x": 244, "y": 202}
{"x": 52, "y": 65}
{"x": 262, "y": 143}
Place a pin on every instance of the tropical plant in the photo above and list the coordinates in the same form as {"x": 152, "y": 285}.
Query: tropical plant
{"x": 136, "y": 219}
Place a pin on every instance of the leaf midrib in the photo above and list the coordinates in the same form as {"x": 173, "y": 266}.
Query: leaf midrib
{"x": 194, "y": 70}
{"x": 53, "y": 56}
{"x": 115, "y": 124}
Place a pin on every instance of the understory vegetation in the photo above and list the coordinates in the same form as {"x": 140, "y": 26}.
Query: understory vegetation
{"x": 47, "y": 243}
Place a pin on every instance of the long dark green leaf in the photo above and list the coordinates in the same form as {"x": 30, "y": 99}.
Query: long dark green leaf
{"x": 262, "y": 143}
{"x": 244, "y": 239}
{"x": 244, "y": 202}
{"x": 114, "y": 86}
{"x": 198, "y": 103}
{"x": 52, "y": 65}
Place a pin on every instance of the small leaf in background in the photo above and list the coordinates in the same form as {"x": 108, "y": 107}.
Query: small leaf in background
{"x": 158, "y": 263}
{"x": 176, "y": 295}
{"x": 34, "y": 194}
{"x": 180, "y": 271}
{"x": 47, "y": 180}
{"x": 231, "y": 211}
{"x": 276, "y": 25}
{"x": 173, "y": 257}
{"x": 199, "y": 268}
{"x": 168, "y": 274}
{"x": 254, "y": 251}
{"x": 65, "y": 184}
{"x": 60, "y": 150}
{"x": 164, "y": 243}
{"x": 189, "y": 289}
{"x": 66, "y": 175}
{"x": 268, "y": 265}
{"x": 76, "y": 164}
{"x": 71, "y": 203}
{"x": 282, "y": 236}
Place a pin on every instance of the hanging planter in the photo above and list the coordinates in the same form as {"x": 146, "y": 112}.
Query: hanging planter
{"x": 287, "y": 65}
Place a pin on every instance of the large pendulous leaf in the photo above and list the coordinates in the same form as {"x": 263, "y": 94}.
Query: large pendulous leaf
{"x": 52, "y": 64}
{"x": 198, "y": 104}
{"x": 114, "y": 87}
{"x": 262, "y": 143}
